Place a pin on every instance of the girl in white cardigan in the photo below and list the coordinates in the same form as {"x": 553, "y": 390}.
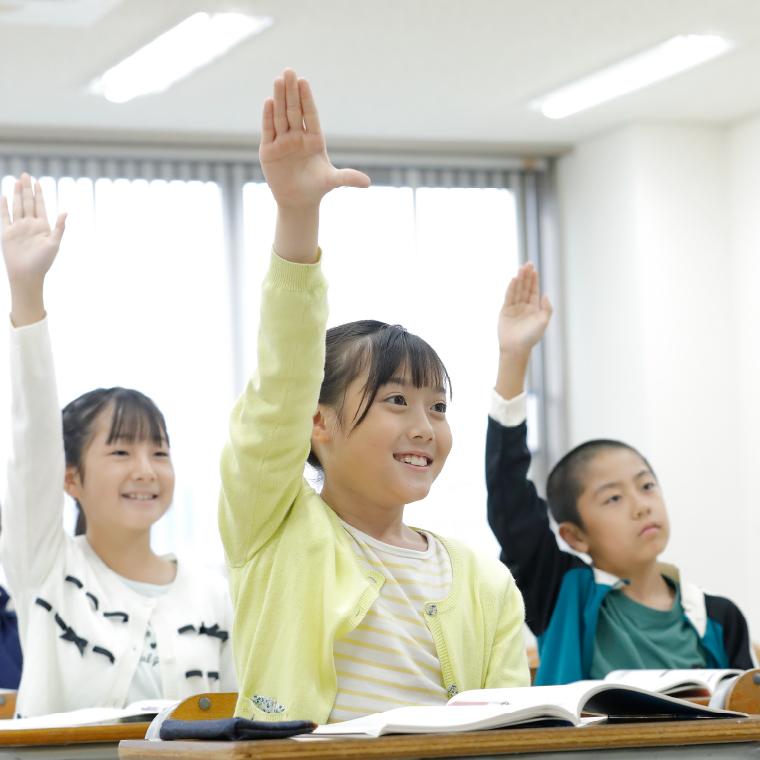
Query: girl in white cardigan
{"x": 103, "y": 620}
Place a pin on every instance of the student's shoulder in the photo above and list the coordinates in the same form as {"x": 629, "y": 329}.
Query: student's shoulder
{"x": 206, "y": 581}
{"x": 722, "y": 609}
{"x": 479, "y": 569}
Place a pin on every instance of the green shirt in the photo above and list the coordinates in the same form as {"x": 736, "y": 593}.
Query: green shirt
{"x": 630, "y": 635}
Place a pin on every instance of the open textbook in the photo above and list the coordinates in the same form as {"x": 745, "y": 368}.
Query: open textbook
{"x": 527, "y": 706}
{"x": 714, "y": 684}
{"x": 145, "y": 710}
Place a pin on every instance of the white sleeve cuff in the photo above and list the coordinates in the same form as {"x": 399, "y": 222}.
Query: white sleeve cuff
{"x": 509, "y": 412}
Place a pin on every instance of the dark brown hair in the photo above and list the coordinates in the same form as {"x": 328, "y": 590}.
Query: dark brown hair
{"x": 382, "y": 351}
{"x": 134, "y": 417}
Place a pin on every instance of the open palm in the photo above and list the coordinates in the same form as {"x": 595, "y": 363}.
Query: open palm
{"x": 29, "y": 244}
{"x": 524, "y": 315}
{"x": 293, "y": 153}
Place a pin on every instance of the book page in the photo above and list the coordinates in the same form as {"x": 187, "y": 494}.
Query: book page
{"x": 570, "y": 696}
{"x": 444, "y": 718}
{"x": 90, "y": 716}
{"x": 673, "y": 681}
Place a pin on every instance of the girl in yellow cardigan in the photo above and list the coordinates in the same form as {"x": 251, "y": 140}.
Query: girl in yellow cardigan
{"x": 340, "y": 608}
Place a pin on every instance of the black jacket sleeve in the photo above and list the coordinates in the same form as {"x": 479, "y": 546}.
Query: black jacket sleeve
{"x": 519, "y": 518}
{"x": 736, "y": 639}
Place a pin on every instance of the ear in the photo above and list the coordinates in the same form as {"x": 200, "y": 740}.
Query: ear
{"x": 72, "y": 483}
{"x": 574, "y": 537}
{"x": 321, "y": 425}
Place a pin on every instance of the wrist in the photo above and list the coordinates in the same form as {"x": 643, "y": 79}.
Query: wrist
{"x": 514, "y": 355}
{"x": 296, "y": 234}
{"x": 513, "y": 368}
{"x": 26, "y": 310}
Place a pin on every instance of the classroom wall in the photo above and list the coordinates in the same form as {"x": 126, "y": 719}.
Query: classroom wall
{"x": 658, "y": 237}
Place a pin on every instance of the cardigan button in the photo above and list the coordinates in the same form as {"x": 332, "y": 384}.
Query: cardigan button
{"x": 432, "y": 610}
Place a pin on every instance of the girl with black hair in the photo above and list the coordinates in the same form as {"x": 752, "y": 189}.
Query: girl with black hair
{"x": 103, "y": 619}
{"x": 357, "y": 611}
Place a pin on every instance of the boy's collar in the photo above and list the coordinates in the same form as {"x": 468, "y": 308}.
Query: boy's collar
{"x": 692, "y": 598}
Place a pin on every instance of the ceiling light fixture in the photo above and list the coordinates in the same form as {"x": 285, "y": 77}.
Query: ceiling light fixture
{"x": 193, "y": 43}
{"x": 660, "y": 62}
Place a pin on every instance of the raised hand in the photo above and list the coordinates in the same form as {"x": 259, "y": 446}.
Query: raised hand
{"x": 524, "y": 315}
{"x": 29, "y": 249}
{"x": 293, "y": 152}
{"x": 523, "y": 318}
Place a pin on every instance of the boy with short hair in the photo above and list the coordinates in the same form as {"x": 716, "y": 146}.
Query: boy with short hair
{"x": 626, "y": 609}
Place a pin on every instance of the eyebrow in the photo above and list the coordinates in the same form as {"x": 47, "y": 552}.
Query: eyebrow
{"x": 618, "y": 484}
{"x": 404, "y": 383}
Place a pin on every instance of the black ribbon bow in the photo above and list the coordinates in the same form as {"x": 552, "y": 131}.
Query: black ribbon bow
{"x": 69, "y": 635}
{"x": 213, "y": 631}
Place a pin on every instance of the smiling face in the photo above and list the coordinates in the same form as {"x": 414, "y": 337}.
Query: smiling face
{"x": 624, "y": 521}
{"x": 123, "y": 483}
{"x": 393, "y": 456}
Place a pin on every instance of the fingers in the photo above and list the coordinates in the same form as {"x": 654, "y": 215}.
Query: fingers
{"x": 293, "y": 111}
{"x": 533, "y": 297}
{"x": 58, "y": 230}
{"x": 27, "y": 196}
{"x": 280, "y": 118}
{"x": 351, "y": 178}
{"x": 267, "y": 122}
{"x": 511, "y": 294}
{"x": 523, "y": 282}
{"x": 4, "y": 213}
{"x": 39, "y": 202}
{"x": 309, "y": 108}
{"x": 18, "y": 203}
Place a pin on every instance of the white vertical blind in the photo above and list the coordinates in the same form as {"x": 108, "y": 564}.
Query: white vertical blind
{"x": 437, "y": 261}
{"x": 157, "y": 287}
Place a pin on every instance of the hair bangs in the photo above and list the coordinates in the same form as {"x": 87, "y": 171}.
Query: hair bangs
{"x": 395, "y": 353}
{"x": 136, "y": 418}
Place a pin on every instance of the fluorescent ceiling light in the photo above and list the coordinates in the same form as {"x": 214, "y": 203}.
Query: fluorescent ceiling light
{"x": 665, "y": 60}
{"x": 193, "y": 43}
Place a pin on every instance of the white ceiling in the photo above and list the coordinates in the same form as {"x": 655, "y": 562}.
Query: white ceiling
{"x": 384, "y": 71}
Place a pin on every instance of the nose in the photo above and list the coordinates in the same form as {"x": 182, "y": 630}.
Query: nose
{"x": 143, "y": 466}
{"x": 420, "y": 426}
{"x": 642, "y": 507}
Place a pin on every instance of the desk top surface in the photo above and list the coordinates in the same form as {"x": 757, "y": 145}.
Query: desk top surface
{"x": 49, "y": 737}
{"x": 469, "y": 744}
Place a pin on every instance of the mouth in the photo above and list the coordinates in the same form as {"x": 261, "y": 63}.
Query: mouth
{"x": 650, "y": 528}
{"x": 415, "y": 459}
{"x": 134, "y": 496}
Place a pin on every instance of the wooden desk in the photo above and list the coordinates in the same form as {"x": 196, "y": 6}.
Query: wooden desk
{"x": 682, "y": 737}
{"x": 91, "y": 742}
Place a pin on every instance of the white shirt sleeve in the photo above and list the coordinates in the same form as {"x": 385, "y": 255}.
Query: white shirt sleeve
{"x": 509, "y": 412}
{"x": 32, "y": 527}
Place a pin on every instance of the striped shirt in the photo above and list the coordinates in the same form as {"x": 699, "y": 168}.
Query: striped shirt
{"x": 389, "y": 659}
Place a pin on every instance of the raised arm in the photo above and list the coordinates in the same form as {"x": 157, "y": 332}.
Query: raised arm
{"x": 270, "y": 428}
{"x": 516, "y": 513}
{"x": 32, "y": 510}
{"x": 293, "y": 156}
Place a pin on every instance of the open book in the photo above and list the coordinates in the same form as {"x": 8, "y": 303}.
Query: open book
{"x": 145, "y": 710}
{"x": 527, "y": 706}
{"x": 714, "y": 684}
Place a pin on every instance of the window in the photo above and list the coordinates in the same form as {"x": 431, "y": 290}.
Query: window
{"x": 436, "y": 260}
{"x": 138, "y": 297}
{"x": 157, "y": 287}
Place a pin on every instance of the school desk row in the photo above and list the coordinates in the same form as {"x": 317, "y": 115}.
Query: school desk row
{"x": 735, "y": 738}
{"x": 726, "y": 738}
